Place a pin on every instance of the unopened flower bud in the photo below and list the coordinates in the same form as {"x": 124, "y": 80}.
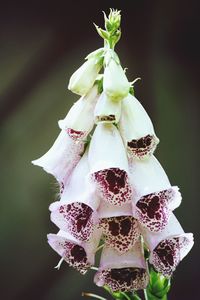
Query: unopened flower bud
{"x": 83, "y": 79}
{"x": 115, "y": 83}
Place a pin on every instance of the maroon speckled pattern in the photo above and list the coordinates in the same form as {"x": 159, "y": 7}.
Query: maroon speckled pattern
{"x": 78, "y": 219}
{"x": 143, "y": 146}
{"x": 73, "y": 254}
{"x": 166, "y": 256}
{"x": 153, "y": 210}
{"x": 113, "y": 185}
{"x": 76, "y": 134}
{"x": 124, "y": 279}
{"x": 120, "y": 233}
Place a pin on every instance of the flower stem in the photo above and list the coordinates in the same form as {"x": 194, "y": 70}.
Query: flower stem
{"x": 93, "y": 296}
{"x": 145, "y": 295}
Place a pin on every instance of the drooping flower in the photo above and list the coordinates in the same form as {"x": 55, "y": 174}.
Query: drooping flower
{"x": 79, "y": 255}
{"x": 137, "y": 129}
{"x": 62, "y": 157}
{"x": 168, "y": 247}
{"x": 83, "y": 79}
{"x": 108, "y": 167}
{"x": 154, "y": 197}
{"x": 76, "y": 211}
{"x": 122, "y": 272}
{"x": 115, "y": 82}
{"x": 80, "y": 119}
{"x": 107, "y": 110}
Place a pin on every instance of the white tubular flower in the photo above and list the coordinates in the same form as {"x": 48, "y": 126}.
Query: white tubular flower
{"x": 137, "y": 129}
{"x": 115, "y": 82}
{"x": 109, "y": 166}
{"x": 122, "y": 272}
{"x": 80, "y": 119}
{"x": 154, "y": 197}
{"x": 77, "y": 254}
{"x": 169, "y": 247}
{"x": 106, "y": 110}
{"x": 62, "y": 157}
{"x": 83, "y": 79}
{"x": 76, "y": 211}
{"x": 120, "y": 229}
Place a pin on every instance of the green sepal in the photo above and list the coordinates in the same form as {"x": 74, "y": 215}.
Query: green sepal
{"x": 158, "y": 286}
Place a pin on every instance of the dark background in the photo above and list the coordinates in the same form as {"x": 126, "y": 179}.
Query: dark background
{"x": 41, "y": 44}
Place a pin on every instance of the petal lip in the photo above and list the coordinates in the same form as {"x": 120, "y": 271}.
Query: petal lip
{"x": 169, "y": 252}
{"x": 120, "y": 233}
{"x": 77, "y": 218}
{"x": 72, "y": 252}
{"x": 143, "y": 147}
{"x": 124, "y": 279}
{"x": 113, "y": 186}
{"x": 153, "y": 210}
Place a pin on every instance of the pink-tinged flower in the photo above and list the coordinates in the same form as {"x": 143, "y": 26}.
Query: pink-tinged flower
{"x": 122, "y": 272}
{"x": 80, "y": 119}
{"x": 115, "y": 82}
{"x": 154, "y": 197}
{"x": 76, "y": 211}
{"x": 62, "y": 157}
{"x": 169, "y": 247}
{"x": 106, "y": 110}
{"x": 120, "y": 229}
{"x": 83, "y": 79}
{"x": 77, "y": 254}
{"x": 109, "y": 166}
{"x": 137, "y": 129}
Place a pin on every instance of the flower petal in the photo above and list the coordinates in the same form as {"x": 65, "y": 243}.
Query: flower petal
{"x": 109, "y": 167}
{"x": 122, "y": 272}
{"x": 106, "y": 110}
{"x": 80, "y": 120}
{"x": 76, "y": 212}
{"x": 137, "y": 129}
{"x": 62, "y": 157}
{"x": 115, "y": 82}
{"x": 72, "y": 252}
{"x": 83, "y": 79}
{"x": 77, "y": 254}
{"x": 154, "y": 197}
{"x": 121, "y": 232}
{"x": 169, "y": 247}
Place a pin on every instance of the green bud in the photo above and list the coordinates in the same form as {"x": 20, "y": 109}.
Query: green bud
{"x": 158, "y": 286}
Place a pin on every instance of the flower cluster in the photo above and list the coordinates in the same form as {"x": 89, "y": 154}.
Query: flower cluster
{"x": 114, "y": 194}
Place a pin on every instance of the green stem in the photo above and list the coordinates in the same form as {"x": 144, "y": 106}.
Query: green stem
{"x": 145, "y": 295}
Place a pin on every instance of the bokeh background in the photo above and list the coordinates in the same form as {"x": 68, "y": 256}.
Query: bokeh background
{"x": 41, "y": 45}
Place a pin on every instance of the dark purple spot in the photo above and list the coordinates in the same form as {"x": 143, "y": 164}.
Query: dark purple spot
{"x": 125, "y": 226}
{"x": 78, "y": 253}
{"x": 114, "y": 228}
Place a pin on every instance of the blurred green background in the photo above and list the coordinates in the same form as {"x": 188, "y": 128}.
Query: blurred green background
{"x": 41, "y": 45}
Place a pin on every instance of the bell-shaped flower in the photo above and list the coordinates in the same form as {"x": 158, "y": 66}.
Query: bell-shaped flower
{"x": 80, "y": 119}
{"x": 106, "y": 110}
{"x": 62, "y": 157}
{"x": 83, "y": 79}
{"x": 168, "y": 247}
{"x": 119, "y": 228}
{"x": 154, "y": 197}
{"x": 76, "y": 211}
{"x": 137, "y": 129}
{"x": 109, "y": 166}
{"x": 115, "y": 82}
{"x": 122, "y": 272}
{"x": 79, "y": 255}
